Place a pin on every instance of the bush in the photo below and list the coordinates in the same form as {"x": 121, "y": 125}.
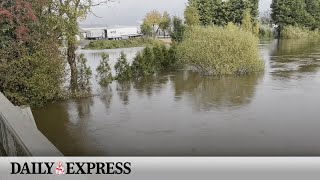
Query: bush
{"x": 293, "y": 32}
{"x": 221, "y": 51}
{"x": 143, "y": 64}
{"x": 154, "y": 59}
{"x": 35, "y": 78}
{"x": 104, "y": 71}
{"x": 113, "y": 44}
{"x": 84, "y": 73}
{"x": 123, "y": 69}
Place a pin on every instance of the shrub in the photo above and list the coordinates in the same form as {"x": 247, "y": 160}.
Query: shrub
{"x": 84, "y": 73}
{"x": 123, "y": 69}
{"x": 220, "y": 51}
{"x": 154, "y": 59}
{"x": 143, "y": 64}
{"x": 294, "y": 32}
{"x": 33, "y": 79}
{"x": 104, "y": 71}
{"x": 113, "y": 44}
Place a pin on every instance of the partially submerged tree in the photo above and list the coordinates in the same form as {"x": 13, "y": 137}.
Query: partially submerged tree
{"x": 104, "y": 71}
{"x": 70, "y": 12}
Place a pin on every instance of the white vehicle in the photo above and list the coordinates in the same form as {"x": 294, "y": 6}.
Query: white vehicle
{"x": 95, "y": 33}
{"x": 121, "y": 32}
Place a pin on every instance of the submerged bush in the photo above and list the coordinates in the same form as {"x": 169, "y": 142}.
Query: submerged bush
{"x": 113, "y": 44}
{"x": 84, "y": 73}
{"x": 104, "y": 71}
{"x": 221, "y": 51}
{"x": 154, "y": 59}
{"x": 293, "y": 32}
{"x": 123, "y": 69}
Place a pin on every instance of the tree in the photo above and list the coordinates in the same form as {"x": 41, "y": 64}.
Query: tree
{"x": 165, "y": 22}
{"x": 70, "y": 12}
{"x": 104, "y": 71}
{"x": 123, "y": 69}
{"x": 28, "y": 53}
{"x": 153, "y": 18}
{"x": 191, "y": 15}
{"x": 205, "y": 11}
{"x": 177, "y": 30}
{"x": 146, "y": 29}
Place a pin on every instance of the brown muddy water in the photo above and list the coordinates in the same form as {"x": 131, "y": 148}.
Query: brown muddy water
{"x": 274, "y": 113}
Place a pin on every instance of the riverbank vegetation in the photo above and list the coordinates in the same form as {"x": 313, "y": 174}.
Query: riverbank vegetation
{"x": 114, "y": 44}
{"x": 297, "y": 19}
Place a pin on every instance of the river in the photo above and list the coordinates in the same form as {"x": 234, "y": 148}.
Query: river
{"x": 273, "y": 113}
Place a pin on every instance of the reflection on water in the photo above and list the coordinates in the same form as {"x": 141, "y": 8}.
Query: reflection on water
{"x": 182, "y": 113}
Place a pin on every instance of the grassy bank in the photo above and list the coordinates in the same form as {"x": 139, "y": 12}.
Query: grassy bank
{"x": 114, "y": 44}
{"x": 293, "y": 32}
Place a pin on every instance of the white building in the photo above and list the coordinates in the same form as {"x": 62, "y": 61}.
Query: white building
{"x": 111, "y": 32}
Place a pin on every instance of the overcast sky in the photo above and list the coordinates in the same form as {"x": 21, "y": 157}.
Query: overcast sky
{"x": 131, "y": 12}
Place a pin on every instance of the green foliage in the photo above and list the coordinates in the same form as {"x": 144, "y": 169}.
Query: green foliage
{"x": 143, "y": 64}
{"x": 265, "y": 32}
{"x": 165, "y": 22}
{"x": 191, "y": 15}
{"x": 123, "y": 69}
{"x": 113, "y": 44}
{"x": 292, "y": 32}
{"x": 104, "y": 71}
{"x": 146, "y": 29}
{"x": 246, "y": 22}
{"x": 155, "y": 59}
{"x": 299, "y": 13}
{"x": 33, "y": 79}
{"x": 178, "y": 29}
{"x": 84, "y": 73}
{"x": 221, "y": 51}
{"x": 220, "y": 12}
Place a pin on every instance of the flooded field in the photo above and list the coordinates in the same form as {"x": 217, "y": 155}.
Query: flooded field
{"x": 273, "y": 113}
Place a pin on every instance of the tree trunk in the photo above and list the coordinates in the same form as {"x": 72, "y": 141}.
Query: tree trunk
{"x": 73, "y": 65}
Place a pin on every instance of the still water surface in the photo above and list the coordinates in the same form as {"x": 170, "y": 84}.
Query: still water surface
{"x": 276, "y": 112}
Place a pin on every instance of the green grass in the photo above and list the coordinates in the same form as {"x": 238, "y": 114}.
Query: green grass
{"x": 114, "y": 44}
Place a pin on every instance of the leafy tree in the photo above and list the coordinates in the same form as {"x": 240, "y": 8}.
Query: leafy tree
{"x": 123, "y": 69}
{"x": 30, "y": 71}
{"x": 146, "y": 29}
{"x": 177, "y": 30}
{"x": 104, "y": 71}
{"x": 246, "y": 22}
{"x": 191, "y": 15}
{"x": 165, "y": 23}
{"x": 70, "y": 12}
{"x": 205, "y": 12}
{"x": 154, "y": 19}
{"x": 289, "y": 12}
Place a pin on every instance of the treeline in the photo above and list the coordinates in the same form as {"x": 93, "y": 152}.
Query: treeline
{"x": 300, "y": 14}
{"x": 220, "y": 12}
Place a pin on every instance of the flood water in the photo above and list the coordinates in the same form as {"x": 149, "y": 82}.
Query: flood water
{"x": 273, "y": 113}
